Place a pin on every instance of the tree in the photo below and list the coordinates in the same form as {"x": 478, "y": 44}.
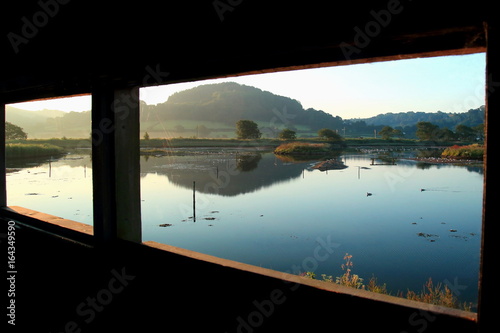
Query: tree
{"x": 387, "y": 132}
{"x": 179, "y": 128}
{"x": 445, "y": 134}
{"x": 465, "y": 133}
{"x": 14, "y": 132}
{"x": 146, "y": 136}
{"x": 479, "y": 129}
{"x": 426, "y": 130}
{"x": 247, "y": 129}
{"x": 329, "y": 134}
{"x": 202, "y": 131}
{"x": 287, "y": 134}
{"x": 398, "y": 133}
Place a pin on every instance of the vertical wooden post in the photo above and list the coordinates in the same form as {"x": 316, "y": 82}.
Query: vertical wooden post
{"x": 489, "y": 293}
{"x": 115, "y": 164}
{"x": 3, "y": 182}
{"x": 103, "y": 178}
{"x": 127, "y": 164}
{"x": 194, "y": 201}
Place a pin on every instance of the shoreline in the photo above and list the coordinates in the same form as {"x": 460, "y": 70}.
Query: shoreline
{"x": 443, "y": 160}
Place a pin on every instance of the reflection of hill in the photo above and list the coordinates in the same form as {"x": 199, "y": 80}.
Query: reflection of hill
{"x": 237, "y": 173}
{"x": 17, "y": 163}
{"x": 73, "y": 161}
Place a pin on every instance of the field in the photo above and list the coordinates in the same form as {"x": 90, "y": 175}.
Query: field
{"x": 49, "y": 147}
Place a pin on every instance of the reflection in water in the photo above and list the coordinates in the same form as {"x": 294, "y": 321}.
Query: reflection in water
{"x": 273, "y": 214}
{"x": 268, "y": 211}
{"x": 225, "y": 175}
{"x": 61, "y": 187}
{"x": 248, "y": 162}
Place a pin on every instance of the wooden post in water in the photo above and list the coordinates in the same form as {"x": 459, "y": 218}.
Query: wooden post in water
{"x": 194, "y": 201}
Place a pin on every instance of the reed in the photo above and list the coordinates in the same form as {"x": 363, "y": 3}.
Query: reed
{"x": 438, "y": 294}
{"x": 21, "y": 150}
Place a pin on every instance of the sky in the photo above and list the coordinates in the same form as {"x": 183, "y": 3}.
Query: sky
{"x": 448, "y": 84}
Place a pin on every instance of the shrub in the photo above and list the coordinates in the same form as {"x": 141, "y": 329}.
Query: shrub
{"x": 302, "y": 148}
{"x": 474, "y": 151}
{"x": 287, "y": 134}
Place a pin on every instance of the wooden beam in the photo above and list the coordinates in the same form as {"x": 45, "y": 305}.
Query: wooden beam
{"x": 3, "y": 182}
{"x": 115, "y": 164}
{"x": 54, "y": 220}
{"x": 103, "y": 178}
{"x": 127, "y": 164}
{"x": 489, "y": 292}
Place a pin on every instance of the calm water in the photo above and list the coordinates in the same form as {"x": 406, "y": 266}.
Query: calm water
{"x": 258, "y": 209}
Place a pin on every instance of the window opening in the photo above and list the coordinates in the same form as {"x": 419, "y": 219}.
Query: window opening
{"x": 379, "y": 185}
{"x": 48, "y": 157}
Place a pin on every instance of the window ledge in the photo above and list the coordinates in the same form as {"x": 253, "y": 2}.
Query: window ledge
{"x": 332, "y": 287}
{"x": 54, "y": 220}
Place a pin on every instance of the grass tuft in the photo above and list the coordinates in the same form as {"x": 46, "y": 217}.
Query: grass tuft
{"x": 430, "y": 293}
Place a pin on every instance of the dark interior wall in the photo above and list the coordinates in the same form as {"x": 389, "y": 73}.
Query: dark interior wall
{"x": 60, "y": 47}
{"x": 67, "y": 287}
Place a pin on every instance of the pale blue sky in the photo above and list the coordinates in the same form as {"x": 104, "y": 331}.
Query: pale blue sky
{"x": 448, "y": 84}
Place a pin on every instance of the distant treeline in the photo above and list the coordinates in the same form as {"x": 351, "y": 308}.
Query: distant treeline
{"x": 407, "y": 121}
{"x": 212, "y": 110}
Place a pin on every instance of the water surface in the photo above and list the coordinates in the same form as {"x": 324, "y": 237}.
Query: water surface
{"x": 402, "y": 223}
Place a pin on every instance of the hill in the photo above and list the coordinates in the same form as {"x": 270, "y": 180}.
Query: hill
{"x": 29, "y": 120}
{"x": 470, "y": 118}
{"x": 50, "y": 123}
{"x": 212, "y": 110}
{"x": 217, "y": 107}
